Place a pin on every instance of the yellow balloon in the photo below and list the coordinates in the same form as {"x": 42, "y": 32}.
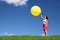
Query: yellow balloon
{"x": 35, "y": 10}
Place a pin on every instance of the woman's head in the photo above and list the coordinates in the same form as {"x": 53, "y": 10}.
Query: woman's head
{"x": 46, "y": 17}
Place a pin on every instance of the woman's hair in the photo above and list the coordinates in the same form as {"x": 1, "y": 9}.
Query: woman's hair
{"x": 47, "y": 17}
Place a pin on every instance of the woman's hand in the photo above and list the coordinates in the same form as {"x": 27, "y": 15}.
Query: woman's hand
{"x": 42, "y": 17}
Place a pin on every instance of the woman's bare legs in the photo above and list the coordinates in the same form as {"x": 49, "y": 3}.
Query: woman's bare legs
{"x": 45, "y": 32}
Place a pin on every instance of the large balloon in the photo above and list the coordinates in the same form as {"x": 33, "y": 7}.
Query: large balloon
{"x": 35, "y": 10}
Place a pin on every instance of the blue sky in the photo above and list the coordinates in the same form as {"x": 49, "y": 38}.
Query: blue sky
{"x": 17, "y": 19}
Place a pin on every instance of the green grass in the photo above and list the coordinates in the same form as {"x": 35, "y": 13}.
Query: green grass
{"x": 29, "y": 37}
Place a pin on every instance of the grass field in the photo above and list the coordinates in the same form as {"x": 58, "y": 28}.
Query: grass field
{"x": 29, "y": 37}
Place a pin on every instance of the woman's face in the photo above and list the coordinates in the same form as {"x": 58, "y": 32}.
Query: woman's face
{"x": 45, "y": 17}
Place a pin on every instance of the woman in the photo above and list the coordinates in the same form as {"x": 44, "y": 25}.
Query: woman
{"x": 45, "y": 24}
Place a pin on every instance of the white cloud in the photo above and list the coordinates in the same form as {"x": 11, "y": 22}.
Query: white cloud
{"x": 11, "y": 34}
{"x": 5, "y": 33}
{"x": 8, "y": 34}
{"x": 43, "y": 35}
{"x": 16, "y": 2}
